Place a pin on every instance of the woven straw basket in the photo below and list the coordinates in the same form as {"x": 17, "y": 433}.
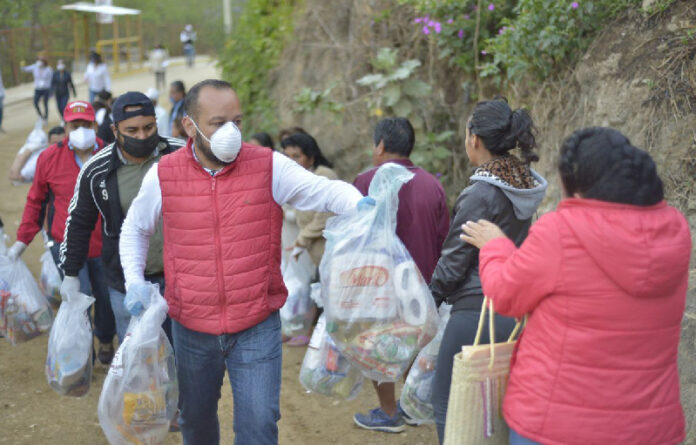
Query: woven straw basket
{"x": 479, "y": 380}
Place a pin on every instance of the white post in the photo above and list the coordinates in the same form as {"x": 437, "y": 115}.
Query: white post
{"x": 227, "y": 15}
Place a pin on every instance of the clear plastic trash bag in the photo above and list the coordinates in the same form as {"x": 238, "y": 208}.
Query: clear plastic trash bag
{"x": 140, "y": 394}
{"x": 299, "y": 311}
{"x": 25, "y": 312}
{"x": 379, "y": 310}
{"x": 69, "y": 357}
{"x": 417, "y": 392}
{"x": 49, "y": 280}
{"x": 325, "y": 371}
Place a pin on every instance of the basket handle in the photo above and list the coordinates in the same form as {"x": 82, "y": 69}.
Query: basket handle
{"x": 488, "y": 304}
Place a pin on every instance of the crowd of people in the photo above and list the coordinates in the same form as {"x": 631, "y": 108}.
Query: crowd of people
{"x": 130, "y": 195}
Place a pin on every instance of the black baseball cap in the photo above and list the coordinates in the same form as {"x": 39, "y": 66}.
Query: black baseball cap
{"x": 131, "y": 99}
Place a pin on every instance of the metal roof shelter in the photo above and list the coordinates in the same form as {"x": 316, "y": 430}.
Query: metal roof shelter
{"x": 83, "y": 9}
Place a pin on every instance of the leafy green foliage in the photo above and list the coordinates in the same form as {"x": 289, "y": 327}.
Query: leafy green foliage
{"x": 544, "y": 34}
{"x": 393, "y": 89}
{"x": 516, "y": 38}
{"x": 251, "y": 52}
{"x": 431, "y": 153}
{"x": 309, "y": 101}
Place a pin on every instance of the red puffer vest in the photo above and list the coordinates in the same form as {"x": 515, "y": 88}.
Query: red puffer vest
{"x": 221, "y": 241}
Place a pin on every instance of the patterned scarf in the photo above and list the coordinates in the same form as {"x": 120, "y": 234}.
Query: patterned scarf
{"x": 510, "y": 170}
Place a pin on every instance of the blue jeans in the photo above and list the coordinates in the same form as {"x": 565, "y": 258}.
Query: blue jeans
{"x": 253, "y": 359}
{"x": 516, "y": 439}
{"x": 92, "y": 283}
{"x": 122, "y": 315}
{"x": 42, "y": 95}
{"x": 61, "y": 102}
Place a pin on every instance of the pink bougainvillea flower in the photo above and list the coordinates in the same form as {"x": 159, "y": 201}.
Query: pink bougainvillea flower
{"x": 484, "y": 52}
{"x": 418, "y": 20}
{"x": 460, "y": 34}
{"x": 466, "y": 17}
{"x": 574, "y": 5}
{"x": 450, "y": 21}
{"x": 491, "y": 7}
{"x": 426, "y": 30}
{"x": 438, "y": 27}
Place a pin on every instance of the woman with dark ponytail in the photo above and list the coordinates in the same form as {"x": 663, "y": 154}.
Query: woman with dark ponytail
{"x": 604, "y": 279}
{"x": 503, "y": 189}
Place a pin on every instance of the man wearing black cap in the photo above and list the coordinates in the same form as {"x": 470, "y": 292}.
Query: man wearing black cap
{"x": 107, "y": 185}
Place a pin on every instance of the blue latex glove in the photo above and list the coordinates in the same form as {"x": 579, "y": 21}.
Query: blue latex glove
{"x": 366, "y": 203}
{"x": 137, "y": 298}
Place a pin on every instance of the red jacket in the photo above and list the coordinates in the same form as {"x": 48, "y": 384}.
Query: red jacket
{"x": 605, "y": 285}
{"x": 221, "y": 241}
{"x": 50, "y": 195}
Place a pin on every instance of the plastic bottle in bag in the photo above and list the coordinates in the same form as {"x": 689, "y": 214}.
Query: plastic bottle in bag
{"x": 417, "y": 392}
{"x": 324, "y": 369}
{"x": 140, "y": 394}
{"x": 379, "y": 309}
{"x": 69, "y": 358}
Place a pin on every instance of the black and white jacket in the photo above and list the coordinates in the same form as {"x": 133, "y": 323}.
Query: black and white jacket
{"x": 96, "y": 193}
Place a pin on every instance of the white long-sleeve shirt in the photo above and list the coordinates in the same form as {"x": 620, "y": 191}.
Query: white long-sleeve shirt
{"x": 42, "y": 75}
{"x": 291, "y": 184}
{"x": 97, "y": 77}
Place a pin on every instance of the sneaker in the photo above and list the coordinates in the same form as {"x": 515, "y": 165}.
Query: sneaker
{"x": 400, "y": 411}
{"x": 106, "y": 353}
{"x": 378, "y": 420}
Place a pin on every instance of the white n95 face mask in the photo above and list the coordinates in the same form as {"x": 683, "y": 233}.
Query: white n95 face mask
{"x": 82, "y": 138}
{"x": 225, "y": 143}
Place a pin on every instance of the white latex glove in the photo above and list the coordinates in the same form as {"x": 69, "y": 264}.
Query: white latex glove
{"x": 138, "y": 297}
{"x": 69, "y": 286}
{"x": 14, "y": 252}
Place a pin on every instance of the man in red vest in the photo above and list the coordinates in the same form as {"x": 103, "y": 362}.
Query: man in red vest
{"x": 220, "y": 204}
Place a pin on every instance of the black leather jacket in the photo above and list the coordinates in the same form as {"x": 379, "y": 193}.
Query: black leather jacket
{"x": 456, "y": 278}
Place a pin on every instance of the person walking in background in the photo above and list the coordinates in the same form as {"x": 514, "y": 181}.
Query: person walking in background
{"x": 61, "y": 84}
{"x": 97, "y": 76}
{"x": 604, "y": 280}
{"x": 2, "y": 100}
{"x": 503, "y": 189}
{"x": 160, "y": 113}
{"x": 43, "y": 75}
{"x": 177, "y": 94}
{"x": 159, "y": 60}
{"x": 220, "y": 201}
{"x": 188, "y": 40}
{"x": 422, "y": 222}
{"x": 102, "y": 105}
{"x": 57, "y": 169}
{"x": 262, "y": 139}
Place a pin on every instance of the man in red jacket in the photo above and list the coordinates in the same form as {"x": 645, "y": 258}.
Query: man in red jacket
{"x": 220, "y": 201}
{"x": 57, "y": 169}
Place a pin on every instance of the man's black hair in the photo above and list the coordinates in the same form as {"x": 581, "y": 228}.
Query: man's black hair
{"x": 179, "y": 86}
{"x": 396, "y": 133}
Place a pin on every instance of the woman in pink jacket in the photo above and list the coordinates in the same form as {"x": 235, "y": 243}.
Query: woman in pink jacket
{"x": 604, "y": 281}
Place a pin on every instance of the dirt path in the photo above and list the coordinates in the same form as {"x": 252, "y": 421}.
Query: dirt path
{"x": 31, "y": 413}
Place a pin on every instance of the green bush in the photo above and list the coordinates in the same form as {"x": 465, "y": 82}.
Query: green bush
{"x": 545, "y": 34}
{"x": 251, "y": 52}
{"x": 516, "y": 38}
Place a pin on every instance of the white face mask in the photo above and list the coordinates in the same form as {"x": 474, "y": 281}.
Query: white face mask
{"x": 82, "y": 138}
{"x": 60, "y": 67}
{"x": 225, "y": 143}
